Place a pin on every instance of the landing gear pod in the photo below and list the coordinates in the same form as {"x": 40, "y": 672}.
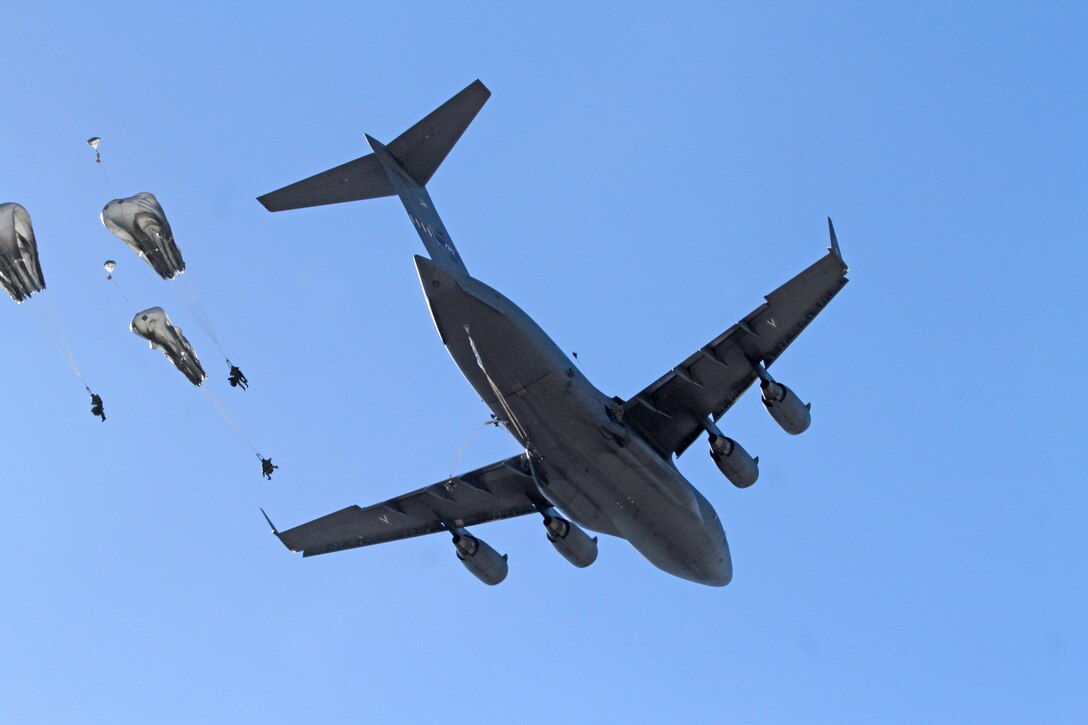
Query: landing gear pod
{"x": 484, "y": 562}
{"x": 785, "y": 407}
{"x": 574, "y": 544}
{"x": 733, "y": 461}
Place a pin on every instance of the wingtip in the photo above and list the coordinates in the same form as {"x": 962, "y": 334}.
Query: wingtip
{"x": 265, "y": 201}
{"x": 480, "y": 85}
{"x": 834, "y": 248}
{"x": 270, "y": 524}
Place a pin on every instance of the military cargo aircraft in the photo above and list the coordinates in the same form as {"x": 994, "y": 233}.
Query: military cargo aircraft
{"x": 589, "y": 460}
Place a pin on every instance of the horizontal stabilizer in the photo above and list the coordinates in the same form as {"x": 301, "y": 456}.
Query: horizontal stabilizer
{"x": 363, "y": 178}
{"x": 419, "y": 150}
{"x": 423, "y": 147}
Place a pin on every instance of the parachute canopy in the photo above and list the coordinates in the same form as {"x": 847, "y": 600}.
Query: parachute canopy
{"x": 20, "y": 272}
{"x": 140, "y": 222}
{"x": 109, "y": 265}
{"x": 93, "y": 142}
{"x": 153, "y": 325}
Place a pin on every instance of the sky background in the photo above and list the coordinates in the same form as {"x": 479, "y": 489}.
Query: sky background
{"x": 640, "y": 178}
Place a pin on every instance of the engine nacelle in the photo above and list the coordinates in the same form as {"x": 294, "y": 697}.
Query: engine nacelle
{"x": 786, "y": 408}
{"x": 732, "y": 460}
{"x": 575, "y": 545}
{"x": 484, "y": 562}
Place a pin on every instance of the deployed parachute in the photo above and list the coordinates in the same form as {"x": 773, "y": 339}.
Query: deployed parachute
{"x": 140, "y": 222}
{"x": 20, "y": 272}
{"x": 153, "y": 324}
{"x": 93, "y": 142}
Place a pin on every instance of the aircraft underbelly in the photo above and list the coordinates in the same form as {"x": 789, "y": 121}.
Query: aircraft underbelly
{"x": 597, "y": 472}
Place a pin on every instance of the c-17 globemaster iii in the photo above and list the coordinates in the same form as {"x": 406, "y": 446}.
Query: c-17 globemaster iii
{"x": 605, "y": 463}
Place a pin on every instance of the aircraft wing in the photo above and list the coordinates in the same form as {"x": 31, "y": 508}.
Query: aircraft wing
{"x": 668, "y": 412}
{"x": 498, "y": 491}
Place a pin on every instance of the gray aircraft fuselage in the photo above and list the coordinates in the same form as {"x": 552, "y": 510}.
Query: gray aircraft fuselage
{"x": 596, "y": 470}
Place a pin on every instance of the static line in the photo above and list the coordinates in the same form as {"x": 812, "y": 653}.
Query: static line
{"x": 464, "y": 446}
{"x": 513, "y": 419}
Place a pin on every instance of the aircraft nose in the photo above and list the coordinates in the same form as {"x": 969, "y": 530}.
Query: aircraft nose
{"x": 724, "y": 575}
{"x": 717, "y": 567}
{"x": 719, "y": 572}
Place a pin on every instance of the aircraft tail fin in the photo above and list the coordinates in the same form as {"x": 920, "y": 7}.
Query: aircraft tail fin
{"x": 417, "y": 202}
{"x": 403, "y": 168}
{"x": 418, "y": 151}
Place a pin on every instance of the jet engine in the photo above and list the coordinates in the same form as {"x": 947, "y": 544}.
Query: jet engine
{"x": 732, "y": 460}
{"x": 574, "y": 544}
{"x": 785, "y": 407}
{"x": 479, "y": 558}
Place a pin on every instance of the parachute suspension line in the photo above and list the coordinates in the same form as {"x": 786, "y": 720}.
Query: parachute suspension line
{"x": 192, "y": 300}
{"x": 510, "y": 417}
{"x": 123, "y": 295}
{"x": 227, "y": 417}
{"x": 106, "y": 178}
{"x": 49, "y": 322}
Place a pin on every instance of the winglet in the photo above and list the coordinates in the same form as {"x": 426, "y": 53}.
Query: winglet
{"x": 270, "y": 524}
{"x": 834, "y": 248}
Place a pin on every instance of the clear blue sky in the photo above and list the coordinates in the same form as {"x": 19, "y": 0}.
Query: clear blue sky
{"x": 640, "y": 178}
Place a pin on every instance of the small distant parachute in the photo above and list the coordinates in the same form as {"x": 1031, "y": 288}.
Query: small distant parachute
{"x": 140, "y": 222}
{"x": 109, "y": 265}
{"x": 153, "y": 325}
{"x": 93, "y": 142}
{"x": 20, "y": 271}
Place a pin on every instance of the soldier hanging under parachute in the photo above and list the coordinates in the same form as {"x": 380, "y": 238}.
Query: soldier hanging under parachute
{"x": 96, "y": 407}
{"x": 154, "y": 325}
{"x": 267, "y": 467}
{"x": 236, "y": 377}
{"x": 21, "y": 276}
